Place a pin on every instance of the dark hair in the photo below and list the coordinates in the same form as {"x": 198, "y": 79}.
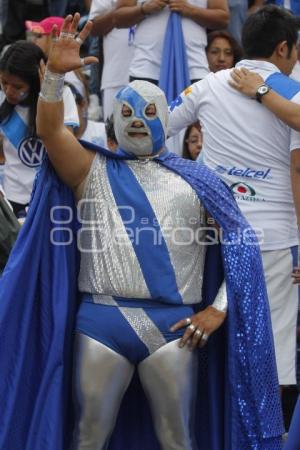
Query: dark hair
{"x": 266, "y": 28}
{"x": 110, "y": 130}
{"x": 185, "y": 151}
{"x": 236, "y": 48}
{"x": 22, "y": 59}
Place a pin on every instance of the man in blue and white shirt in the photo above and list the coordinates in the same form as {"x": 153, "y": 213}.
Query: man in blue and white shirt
{"x": 254, "y": 152}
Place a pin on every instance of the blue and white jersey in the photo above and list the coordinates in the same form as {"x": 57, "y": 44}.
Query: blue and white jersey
{"x": 152, "y": 249}
{"x": 248, "y": 147}
{"x": 23, "y": 154}
{"x": 148, "y": 44}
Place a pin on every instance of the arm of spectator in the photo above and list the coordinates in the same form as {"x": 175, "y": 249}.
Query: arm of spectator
{"x": 103, "y": 23}
{"x": 102, "y": 16}
{"x": 70, "y": 160}
{"x": 129, "y": 12}
{"x": 248, "y": 82}
{"x": 215, "y": 16}
{"x": 285, "y": 110}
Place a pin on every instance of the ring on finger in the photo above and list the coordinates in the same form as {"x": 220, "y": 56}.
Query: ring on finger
{"x": 64, "y": 34}
{"x": 188, "y": 321}
{"x": 204, "y": 337}
{"x": 192, "y": 327}
{"x": 79, "y": 40}
{"x": 198, "y": 332}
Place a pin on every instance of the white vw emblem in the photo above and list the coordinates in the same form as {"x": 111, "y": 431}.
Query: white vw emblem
{"x": 31, "y": 151}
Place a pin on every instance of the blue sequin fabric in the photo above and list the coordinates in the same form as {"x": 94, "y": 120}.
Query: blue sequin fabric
{"x": 256, "y": 416}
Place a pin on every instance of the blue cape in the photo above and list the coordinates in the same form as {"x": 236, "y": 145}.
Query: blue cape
{"x": 239, "y": 405}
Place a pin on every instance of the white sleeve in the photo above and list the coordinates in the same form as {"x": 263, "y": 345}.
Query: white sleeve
{"x": 185, "y": 109}
{"x": 71, "y": 118}
{"x": 221, "y": 303}
{"x": 99, "y": 7}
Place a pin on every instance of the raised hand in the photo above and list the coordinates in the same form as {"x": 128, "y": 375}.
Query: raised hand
{"x": 64, "y": 55}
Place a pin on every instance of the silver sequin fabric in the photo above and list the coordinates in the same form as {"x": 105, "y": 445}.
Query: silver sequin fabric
{"x": 181, "y": 217}
{"x": 139, "y": 321}
{"x": 108, "y": 262}
{"x": 144, "y": 327}
{"x": 113, "y": 269}
{"x": 107, "y": 300}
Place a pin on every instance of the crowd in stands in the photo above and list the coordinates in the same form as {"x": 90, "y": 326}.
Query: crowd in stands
{"x": 123, "y": 40}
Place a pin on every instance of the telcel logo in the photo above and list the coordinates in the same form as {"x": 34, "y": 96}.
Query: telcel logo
{"x": 248, "y": 173}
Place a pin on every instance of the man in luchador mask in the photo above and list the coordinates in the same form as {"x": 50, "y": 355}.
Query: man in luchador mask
{"x": 156, "y": 365}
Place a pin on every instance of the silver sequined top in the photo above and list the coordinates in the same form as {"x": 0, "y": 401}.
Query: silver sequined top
{"x": 108, "y": 262}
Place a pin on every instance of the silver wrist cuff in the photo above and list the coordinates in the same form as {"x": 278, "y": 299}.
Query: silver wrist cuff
{"x": 220, "y": 302}
{"x": 52, "y": 86}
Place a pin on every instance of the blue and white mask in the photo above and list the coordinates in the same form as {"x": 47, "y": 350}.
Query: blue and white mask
{"x": 140, "y": 118}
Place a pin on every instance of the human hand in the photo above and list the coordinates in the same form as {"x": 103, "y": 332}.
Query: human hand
{"x": 245, "y": 81}
{"x": 179, "y": 6}
{"x": 296, "y": 275}
{"x": 64, "y": 51}
{"x": 152, "y": 6}
{"x": 199, "y": 327}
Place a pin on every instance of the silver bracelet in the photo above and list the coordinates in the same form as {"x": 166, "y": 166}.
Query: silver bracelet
{"x": 52, "y": 86}
{"x": 220, "y": 302}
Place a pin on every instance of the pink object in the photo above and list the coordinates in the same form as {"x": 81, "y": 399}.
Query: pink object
{"x": 45, "y": 26}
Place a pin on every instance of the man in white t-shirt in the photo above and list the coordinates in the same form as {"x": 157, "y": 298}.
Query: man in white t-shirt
{"x": 254, "y": 153}
{"x": 117, "y": 51}
{"x": 152, "y": 18}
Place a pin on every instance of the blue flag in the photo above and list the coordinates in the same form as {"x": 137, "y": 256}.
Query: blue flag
{"x": 174, "y": 73}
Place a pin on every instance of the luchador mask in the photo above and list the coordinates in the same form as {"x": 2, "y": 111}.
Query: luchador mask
{"x": 140, "y": 118}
